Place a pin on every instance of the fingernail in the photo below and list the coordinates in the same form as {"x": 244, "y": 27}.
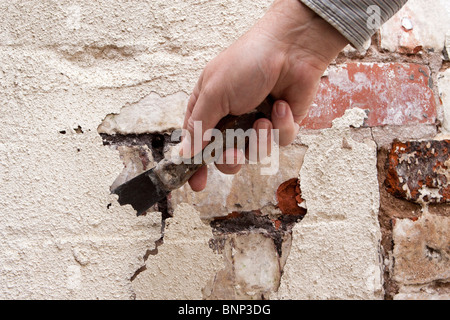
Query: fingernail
{"x": 281, "y": 109}
{"x": 263, "y": 125}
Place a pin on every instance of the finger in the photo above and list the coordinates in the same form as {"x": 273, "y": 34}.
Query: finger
{"x": 198, "y": 180}
{"x": 232, "y": 161}
{"x": 185, "y": 147}
{"x": 261, "y": 148}
{"x": 283, "y": 120}
{"x": 205, "y": 115}
{"x": 192, "y": 101}
{"x": 300, "y": 100}
{"x": 190, "y": 106}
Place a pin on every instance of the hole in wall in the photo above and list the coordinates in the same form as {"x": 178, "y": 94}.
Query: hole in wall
{"x": 78, "y": 129}
{"x": 254, "y": 221}
{"x": 157, "y": 144}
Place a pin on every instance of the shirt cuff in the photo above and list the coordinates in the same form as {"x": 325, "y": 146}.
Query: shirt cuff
{"x": 356, "y": 20}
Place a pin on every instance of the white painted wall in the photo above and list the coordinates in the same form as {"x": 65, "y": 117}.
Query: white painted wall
{"x": 69, "y": 64}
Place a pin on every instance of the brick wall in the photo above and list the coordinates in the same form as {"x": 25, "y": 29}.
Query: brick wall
{"x": 367, "y": 215}
{"x": 359, "y": 208}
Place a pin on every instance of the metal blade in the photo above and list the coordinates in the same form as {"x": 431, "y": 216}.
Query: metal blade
{"x": 142, "y": 192}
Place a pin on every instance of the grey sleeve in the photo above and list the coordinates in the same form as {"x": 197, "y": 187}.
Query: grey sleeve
{"x": 357, "y": 20}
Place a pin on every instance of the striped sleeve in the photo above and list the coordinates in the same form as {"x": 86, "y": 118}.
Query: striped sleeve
{"x": 357, "y": 20}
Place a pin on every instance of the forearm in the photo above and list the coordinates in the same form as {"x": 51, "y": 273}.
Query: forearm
{"x": 355, "y": 19}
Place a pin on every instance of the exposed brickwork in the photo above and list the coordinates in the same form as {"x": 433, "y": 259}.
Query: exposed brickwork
{"x": 289, "y": 197}
{"x": 421, "y": 251}
{"x": 390, "y": 209}
{"x": 393, "y": 94}
{"x": 246, "y": 239}
{"x": 414, "y": 235}
{"x": 419, "y": 171}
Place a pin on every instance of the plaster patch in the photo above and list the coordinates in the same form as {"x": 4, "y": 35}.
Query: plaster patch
{"x": 351, "y": 118}
{"x": 245, "y": 191}
{"x": 149, "y": 115}
{"x": 62, "y": 230}
{"x": 184, "y": 263}
{"x": 426, "y": 27}
{"x": 338, "y": 239}
{"x": 252, "y": 268}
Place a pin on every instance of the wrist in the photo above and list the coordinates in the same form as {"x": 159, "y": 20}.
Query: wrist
{"x": 296, "y": 28}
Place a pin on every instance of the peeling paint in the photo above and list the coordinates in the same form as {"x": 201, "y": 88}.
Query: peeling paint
{"x": 418, "y": 171}
{"x": 393, "y": 94}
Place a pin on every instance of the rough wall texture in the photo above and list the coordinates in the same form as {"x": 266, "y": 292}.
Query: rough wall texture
{"x": 90, "y": 92}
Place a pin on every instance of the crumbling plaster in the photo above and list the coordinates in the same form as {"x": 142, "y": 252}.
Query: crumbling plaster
{"x": 185, "y": 264}
{"x": 335, "y": 248}
{"x": 425, "y": 27}
{"x": 65, "y": 66}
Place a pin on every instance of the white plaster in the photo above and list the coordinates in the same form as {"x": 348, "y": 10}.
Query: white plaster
{"x": 59, "y": 239}
{"x": 67, "y": 64}
{"x": 427, "y": 26}
{"x": 184, "y": 264}
{"x": 407, "y": 24}
{"x": 151, "y": 114}
{"x": 334, "y": 252}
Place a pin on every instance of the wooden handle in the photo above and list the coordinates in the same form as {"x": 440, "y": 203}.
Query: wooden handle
{"x": 174, "y": 175}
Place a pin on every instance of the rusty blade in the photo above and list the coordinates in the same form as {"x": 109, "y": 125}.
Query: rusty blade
{"x": 142, "y": 192}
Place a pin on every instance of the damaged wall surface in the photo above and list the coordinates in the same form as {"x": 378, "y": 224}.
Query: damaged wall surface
{"x": 91, "y": 92}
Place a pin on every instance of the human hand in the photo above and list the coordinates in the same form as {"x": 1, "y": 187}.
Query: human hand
{"x": 284, "y": 54}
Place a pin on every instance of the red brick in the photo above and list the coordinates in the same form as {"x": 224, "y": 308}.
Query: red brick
{"x": 419, "y": 171}
{"x": 289, "y": 197}
{"x": 393, "y": 94}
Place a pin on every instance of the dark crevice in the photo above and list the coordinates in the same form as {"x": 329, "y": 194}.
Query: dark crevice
{"x": 138, "y": 271}
{"x": 149, "y": 252}
{"x": 78, "y": 129}
{"x": 158, "y": 144}
{"x": 252, "y": 221}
